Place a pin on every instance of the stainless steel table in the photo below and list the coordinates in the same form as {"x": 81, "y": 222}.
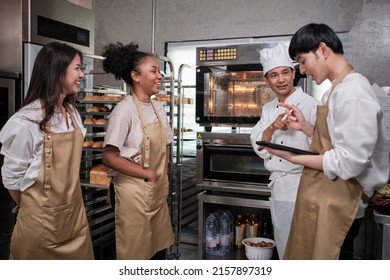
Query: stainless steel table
{"x": 384, "y": 220}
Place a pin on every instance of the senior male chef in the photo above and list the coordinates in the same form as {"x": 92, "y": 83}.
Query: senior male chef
{"x": 279, "y": 74}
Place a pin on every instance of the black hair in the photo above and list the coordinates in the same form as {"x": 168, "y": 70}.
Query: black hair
{"x": 308, "y": 38}
{"x": 121, "y": 60}
{"x": 47, "y": 78}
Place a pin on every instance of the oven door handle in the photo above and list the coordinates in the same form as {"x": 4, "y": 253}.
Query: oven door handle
{"x": 230, "y": 149}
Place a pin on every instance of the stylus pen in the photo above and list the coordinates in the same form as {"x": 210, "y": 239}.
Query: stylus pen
{"x": 286, "y": 115}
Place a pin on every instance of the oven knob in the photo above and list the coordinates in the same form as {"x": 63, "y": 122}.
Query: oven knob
{"x": 198, "y": 146}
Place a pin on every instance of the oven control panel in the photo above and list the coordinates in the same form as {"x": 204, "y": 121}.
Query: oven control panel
{"x": 218, "y": 54}
{"x": 230, "y": 55}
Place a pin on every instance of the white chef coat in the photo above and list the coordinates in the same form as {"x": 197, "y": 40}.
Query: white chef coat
{"x": 124, "y": 129}
{"x": 22, "y": 142}
{"x": 285, "y": 176}
{"x": 361, "y": 153}
{"x": 291, "y": 137}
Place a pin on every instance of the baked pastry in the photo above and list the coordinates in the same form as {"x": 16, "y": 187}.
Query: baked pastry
{"x": 164, "y": 98}
{"x": 104, "y": 109}
{"x": 101, "y": 121}
{"x": 93, "y": 109}
{"x": 89, "y": 121}
{"x": 92, "y": 97}
{"x": 97, "y": 144}
{"x": 88, "y": 144}
{"x": 99, "y": 175}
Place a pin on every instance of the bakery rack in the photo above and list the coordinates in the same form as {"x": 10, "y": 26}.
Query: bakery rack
{"x": 172, "y": 96}
{"x": 98, "y": 198}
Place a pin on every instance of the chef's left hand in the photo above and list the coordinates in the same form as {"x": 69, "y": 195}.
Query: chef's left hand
{"x": 312, "y": 161}
{"x": 280, "y": 153}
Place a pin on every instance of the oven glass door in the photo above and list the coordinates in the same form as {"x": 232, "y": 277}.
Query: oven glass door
{"x": 227, "y": 96}
{"x": 233, "y": 163}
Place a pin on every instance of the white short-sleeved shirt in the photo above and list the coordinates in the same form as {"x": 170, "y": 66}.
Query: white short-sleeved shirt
{"x": 22, "y": 144}
{"x": 124, "y": 129}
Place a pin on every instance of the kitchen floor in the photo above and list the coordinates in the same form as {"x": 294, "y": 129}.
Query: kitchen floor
{"x": 188, "y": 251}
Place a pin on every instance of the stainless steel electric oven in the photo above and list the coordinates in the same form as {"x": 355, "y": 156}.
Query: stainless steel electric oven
{"x": 226, "y": 162}
{"x": 230, "y": 86}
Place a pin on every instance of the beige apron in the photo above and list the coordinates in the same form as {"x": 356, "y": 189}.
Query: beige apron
{"x": 143, "y": 225}
{"x": 325, "y": 209}
{"x": 52, "y": 222}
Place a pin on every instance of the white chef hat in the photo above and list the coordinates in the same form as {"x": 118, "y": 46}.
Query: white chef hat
{"x": 275, "y": 57}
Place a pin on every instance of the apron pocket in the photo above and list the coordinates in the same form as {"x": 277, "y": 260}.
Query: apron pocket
{"x": 156, "y": 194}
{"x": 62, "y": 223}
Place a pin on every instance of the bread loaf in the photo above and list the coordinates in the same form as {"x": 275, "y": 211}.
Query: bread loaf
{"x": 99, "y": 175}
{"x": 164, "y": 98}
{"x": 93, "y": 109}
{"x": 89, "y": 121}
{"x": 93, "y": 97}
{"x": 97, "y": 144}
{"x": 88, "y": 144}
{"x": 101, "y": 121}
{"x": 104, "y": 109}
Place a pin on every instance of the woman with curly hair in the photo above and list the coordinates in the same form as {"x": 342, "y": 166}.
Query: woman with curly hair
{"x": 42, "y": 146}
{"x": 136, "y": 145}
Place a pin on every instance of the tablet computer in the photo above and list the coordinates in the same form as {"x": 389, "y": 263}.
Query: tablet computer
{"x": 285, "y": 148}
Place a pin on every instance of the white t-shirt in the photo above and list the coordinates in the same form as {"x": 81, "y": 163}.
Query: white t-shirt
{"x": 124, "y": 129}
{"x": 22, "y": 142}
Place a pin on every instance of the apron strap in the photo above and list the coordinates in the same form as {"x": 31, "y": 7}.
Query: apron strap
{"x": 48, "y": 148}
{"x": 146, "y": 154}
{"x": 47, "y": 151}
{"x": 339, "y": 78}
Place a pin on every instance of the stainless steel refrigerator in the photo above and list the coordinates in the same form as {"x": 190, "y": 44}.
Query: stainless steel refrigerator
{"x": 25, "y": 26}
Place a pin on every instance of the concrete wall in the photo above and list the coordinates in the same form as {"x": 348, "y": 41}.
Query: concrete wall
{"x": 181, "y": 20}
{"x": 371, "y": 41}
{"x": 83, "y": 3}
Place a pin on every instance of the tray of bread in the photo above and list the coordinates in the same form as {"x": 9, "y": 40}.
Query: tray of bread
{"x": 101, "y": 99}
{"x": 104, "y": 90}
{"x": 165, "y": 98}
{"x": 93, "y": 144}
{"x": 96, "y": 110}
{"x": 96, "y": 122}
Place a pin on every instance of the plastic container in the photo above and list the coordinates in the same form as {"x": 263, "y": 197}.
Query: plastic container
{"x": 225, "y": 234}
{"x": 232, "y": 228}
{"x": 258, "y": 253}
{"x": 211, "y": 235}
